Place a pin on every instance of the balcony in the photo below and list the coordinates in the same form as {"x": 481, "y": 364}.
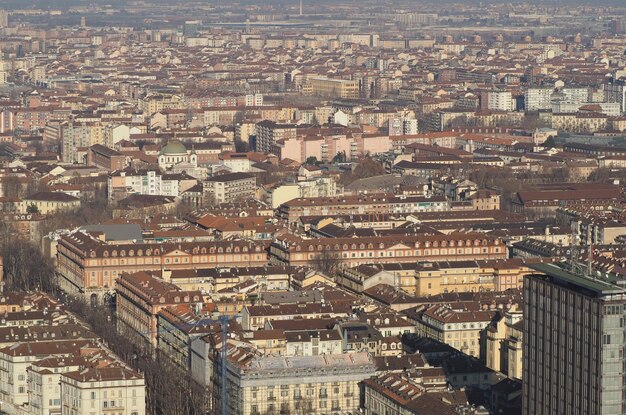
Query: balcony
{"x": 271, "y": 398}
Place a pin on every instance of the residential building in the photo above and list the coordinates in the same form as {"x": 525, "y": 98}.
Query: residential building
{"x": 615, "y": 91}
{"x": 348, "y": 251}
{"x": 537, "y": 99}
{"x": 502, "y": 347}
{"x": 88, "y": 266}
{"x": 103, "y": 390}
{"x": 50, "y": 202}
{"x": 500, "y": 101}
{"x": 259, "y": 384}
{"x": 334, "y": 88}
{"x": 16, "y": 359}
{"x": 230, "y": 187}
{"x": 122, "y": 183}
{"x": 454, "y": 325}
{"x": 574, "y": 339}
{"x": 139, "y": 298}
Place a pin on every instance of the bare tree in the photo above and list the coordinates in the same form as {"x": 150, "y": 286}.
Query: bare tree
{"x": 366, "y": 167}
{"x": 12, "y": 187}
{"x": 327, "y": 261}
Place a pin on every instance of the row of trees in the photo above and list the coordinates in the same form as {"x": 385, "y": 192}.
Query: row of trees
{"x": 170, "y": 389}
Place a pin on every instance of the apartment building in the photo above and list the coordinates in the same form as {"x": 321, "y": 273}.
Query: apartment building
{"x": 293, "y": 250}
{"x": 580, "y": 122}
{"x": 313, "y": 342}
{"x": 499, "y": 101}
{"x": 334, "y": 88}
{"x": 537, "y": 99}
{"x": 79, "y": 135}
{"x": 502, "y": 350}
{"x": 105, "y": 157}
{"x": 50, "y": 202}
{"x": 431, "y": 278}
{"x": 269, "y": 132}
{"x": 88, "y": 266}
{"x": 224, "y": 279}
{"x": 44, "y": 380}
{"x": 121, "y": 183}
{"x": 140, "y": 297}
{"x": 179, "y": 325}
{"x": 15, "y": 360}
{"x": 574, "y": 360}
{"x": 260, "y": 384}
{"x": 454, "y": 325}
{"x": 320, "y": 187}
{"x": 545, "y": 200}
{"x": 230, "y": 187}
{"x": 103, "y": 390}
{"x": 615, "y": 91}
{"x": 412, "y": 393}
{"x": 255, "y": 317}
{"x": 325, "y": 146}
{"x": 373, "y": 203}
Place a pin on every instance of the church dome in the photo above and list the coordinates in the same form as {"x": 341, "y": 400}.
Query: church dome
{"x": 173, "y": 148}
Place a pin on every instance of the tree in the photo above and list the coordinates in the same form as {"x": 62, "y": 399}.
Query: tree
{"x": 549, "y": 143}
{"x": 327, "y": 261}
{"x": 366, "y": 167}
{"x": 25, "y": 267}
{"x": 12, "y": 187}
{"x": 340, "y": 157}
{"x": 312, "y": 160}
{"x": 32, "y": 208}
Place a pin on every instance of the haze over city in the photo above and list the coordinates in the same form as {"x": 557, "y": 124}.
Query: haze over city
{"x": 312, "y": 207}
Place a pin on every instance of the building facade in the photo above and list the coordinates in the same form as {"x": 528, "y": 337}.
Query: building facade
{"x": 573, "y": 353}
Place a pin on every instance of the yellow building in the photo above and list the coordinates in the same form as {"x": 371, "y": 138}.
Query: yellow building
{"x": 334, "y": 88}
{"x": 431, "y": 278}
{"x": 502, "y": 350}
{"x": 459, "y": 328}
{"x": 157, "y": 103}
{"x": 50, "y": 202}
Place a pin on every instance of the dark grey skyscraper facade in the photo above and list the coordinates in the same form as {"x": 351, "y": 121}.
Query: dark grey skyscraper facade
{"x": 573, "y": 344}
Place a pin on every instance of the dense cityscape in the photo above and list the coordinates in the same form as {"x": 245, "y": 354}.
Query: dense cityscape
{"x": 299, "y": 207}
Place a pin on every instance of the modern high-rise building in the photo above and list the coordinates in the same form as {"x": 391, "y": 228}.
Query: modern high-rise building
{"x": 537, "y": 99}
{"x": 191, "y": 27}
{"x": 499, "y": 101}
{"x": 615, "y": 91}
{"x": 573, "y": 344}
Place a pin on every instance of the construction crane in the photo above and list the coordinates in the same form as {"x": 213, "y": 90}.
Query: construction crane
{"x": 223, "y": 321}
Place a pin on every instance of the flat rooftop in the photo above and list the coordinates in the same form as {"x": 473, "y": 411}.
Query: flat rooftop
{"x": 603, "y": 285}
